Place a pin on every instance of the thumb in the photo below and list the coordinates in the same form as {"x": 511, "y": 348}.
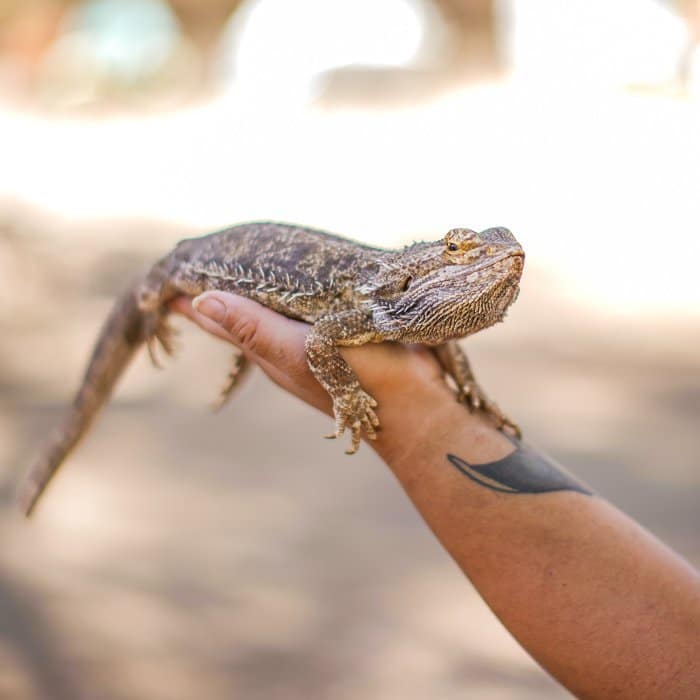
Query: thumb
{"x": 262, "y": 334}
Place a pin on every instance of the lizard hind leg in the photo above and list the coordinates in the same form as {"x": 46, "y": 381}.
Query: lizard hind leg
{"x": 153, "y": 296}
{"x": 239, "y": 368}
{"x": 160, "y": 334}
{"x": 456, "y": 365}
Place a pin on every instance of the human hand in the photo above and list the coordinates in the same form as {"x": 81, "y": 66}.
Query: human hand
{"x": 551, "y": 563}
{"x": 396, "y": 375}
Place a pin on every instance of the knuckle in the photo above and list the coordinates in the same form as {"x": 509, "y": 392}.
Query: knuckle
{"x": 247, "y": 332}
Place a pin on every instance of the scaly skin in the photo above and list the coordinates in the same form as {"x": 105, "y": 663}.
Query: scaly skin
{"x": 429, "y": 293}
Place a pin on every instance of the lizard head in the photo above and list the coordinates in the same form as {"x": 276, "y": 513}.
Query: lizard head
{"x": 432, "y": 292}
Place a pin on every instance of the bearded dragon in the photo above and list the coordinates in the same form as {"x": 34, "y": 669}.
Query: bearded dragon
{"x": 429, "y": 293}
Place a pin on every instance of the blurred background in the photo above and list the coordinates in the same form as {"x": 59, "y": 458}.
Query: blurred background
{"x": 185, "y": 555}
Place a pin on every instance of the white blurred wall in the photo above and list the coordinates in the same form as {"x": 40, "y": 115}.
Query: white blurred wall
{"x": 594, "y": 170}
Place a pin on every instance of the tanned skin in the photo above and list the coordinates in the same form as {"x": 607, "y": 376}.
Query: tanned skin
{"x": 601, "y": 604}
{"x": 351, "y": 294}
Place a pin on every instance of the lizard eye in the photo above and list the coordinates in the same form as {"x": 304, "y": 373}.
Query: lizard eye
{"x": 406, "y": 284}
{"x": 452, "y": 246}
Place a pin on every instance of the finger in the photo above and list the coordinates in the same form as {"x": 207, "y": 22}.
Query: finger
{"x": 183, "y": 305}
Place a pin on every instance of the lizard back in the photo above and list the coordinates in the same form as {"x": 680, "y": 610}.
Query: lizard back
{"x": 302, "y": 273}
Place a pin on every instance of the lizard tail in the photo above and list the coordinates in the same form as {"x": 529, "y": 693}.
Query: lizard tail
{"x": 124, "y": 331}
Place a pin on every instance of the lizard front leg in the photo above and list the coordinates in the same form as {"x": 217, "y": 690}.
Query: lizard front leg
{"x": 456, "y": 364}
{"x": 352, "y": 406}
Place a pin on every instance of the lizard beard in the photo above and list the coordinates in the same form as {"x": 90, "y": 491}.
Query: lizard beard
{"x": 453, "y": 302}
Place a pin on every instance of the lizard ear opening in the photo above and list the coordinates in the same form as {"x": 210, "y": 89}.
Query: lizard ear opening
{"x": 406, "y": 284}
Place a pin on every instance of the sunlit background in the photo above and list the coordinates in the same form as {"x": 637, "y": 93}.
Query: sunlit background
{"x": 186, "y": 555}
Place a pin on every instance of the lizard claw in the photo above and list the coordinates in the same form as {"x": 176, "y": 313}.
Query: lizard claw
{"x": 472, "y": 395}
{"x": 513, "y": 427}
{"x": 502, "y": 420}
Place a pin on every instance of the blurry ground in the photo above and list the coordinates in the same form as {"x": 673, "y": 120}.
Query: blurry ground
{"x": 187, "y": 555}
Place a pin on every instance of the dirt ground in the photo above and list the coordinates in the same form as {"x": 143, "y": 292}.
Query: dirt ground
{"x": 238, "y": 555}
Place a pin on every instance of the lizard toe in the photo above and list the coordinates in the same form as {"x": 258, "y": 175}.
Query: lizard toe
{"x": 340, "y": 426}
{"x": 369, "y": 428}
{"x": 356, "y": 437}
{"x": 372, "y": 418}
{"x": 501, "y": 418}
{"x": 513, "y": 427}
{"x": 472, "y": 395}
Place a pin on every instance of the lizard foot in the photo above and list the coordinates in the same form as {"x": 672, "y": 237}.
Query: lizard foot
{"x": 160, "y": 332}
{"x": 355, "y": 410}
{"x": 238, "y": 369}
{"x": 473, "y": 396}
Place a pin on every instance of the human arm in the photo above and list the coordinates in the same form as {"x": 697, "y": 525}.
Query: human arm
{"x": 597, "y": 600}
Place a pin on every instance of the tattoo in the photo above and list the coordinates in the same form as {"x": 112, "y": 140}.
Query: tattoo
{"x": 522, "y": 471}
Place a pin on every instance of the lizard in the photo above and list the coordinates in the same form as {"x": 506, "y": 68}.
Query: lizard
{"x": 429, "y": 293}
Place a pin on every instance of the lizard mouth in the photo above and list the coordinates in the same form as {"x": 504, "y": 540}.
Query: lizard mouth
{"x": 517, "y": 255}
{"x": 465, "y": 274}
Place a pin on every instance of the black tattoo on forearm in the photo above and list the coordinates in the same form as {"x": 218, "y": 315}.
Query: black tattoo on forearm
{"x": 522, "y": 471}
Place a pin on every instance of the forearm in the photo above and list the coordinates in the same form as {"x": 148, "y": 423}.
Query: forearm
{"x": 605, "y": 607}
{"x": 598, "y": 601}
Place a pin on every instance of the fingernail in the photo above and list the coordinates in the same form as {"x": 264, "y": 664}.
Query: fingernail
{"x": 211, "y": 307}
